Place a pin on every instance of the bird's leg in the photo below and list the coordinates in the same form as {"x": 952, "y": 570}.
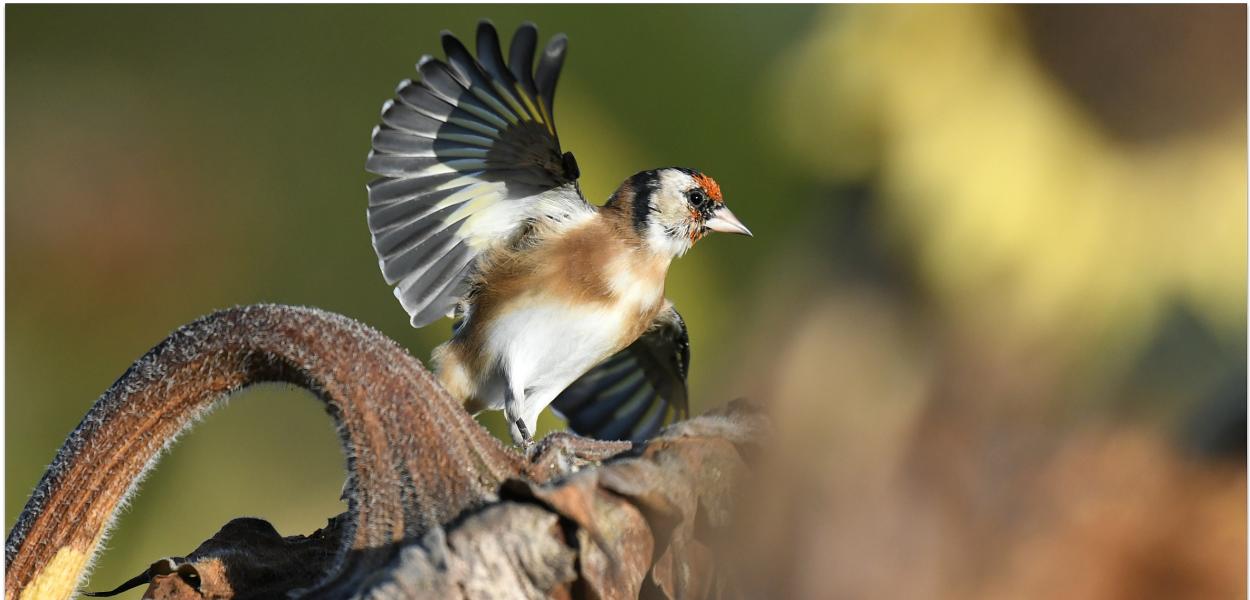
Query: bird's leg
{"x": 512, "y": 412}
{"x": 524, "y": 433}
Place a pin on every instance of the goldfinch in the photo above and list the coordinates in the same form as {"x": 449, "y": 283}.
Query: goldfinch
{"x": 478, "y": 215}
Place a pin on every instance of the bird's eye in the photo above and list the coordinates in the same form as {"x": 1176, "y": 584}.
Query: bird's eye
{"x": 697, "y": 198}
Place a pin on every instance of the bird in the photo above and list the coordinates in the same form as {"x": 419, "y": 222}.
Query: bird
{"x": 476, "y": 214}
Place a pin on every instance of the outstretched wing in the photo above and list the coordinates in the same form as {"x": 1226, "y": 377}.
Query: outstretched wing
{"x": 468, "y": 156}
{"x": 636, "y": 391}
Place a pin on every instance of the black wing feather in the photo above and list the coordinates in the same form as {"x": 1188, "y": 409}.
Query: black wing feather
{"x": 521, "y": 56}
{"x": 490, "y": 56}
{"x": 549, "y": 71}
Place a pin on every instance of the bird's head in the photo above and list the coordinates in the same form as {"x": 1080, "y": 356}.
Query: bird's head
{"x": 675, "y": 207}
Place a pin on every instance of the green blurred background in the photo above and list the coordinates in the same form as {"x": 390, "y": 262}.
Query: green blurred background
{"x": 978, "y": 229}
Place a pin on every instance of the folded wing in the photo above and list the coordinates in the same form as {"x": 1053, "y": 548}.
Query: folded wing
{"x": 633, "y": 393}
{"x": 468, "y": 156}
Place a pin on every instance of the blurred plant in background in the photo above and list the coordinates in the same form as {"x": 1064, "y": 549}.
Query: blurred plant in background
{"x": 996, "y": 299}
{"x": 1025, "y": 213}
{"x": 1024, "y": 355}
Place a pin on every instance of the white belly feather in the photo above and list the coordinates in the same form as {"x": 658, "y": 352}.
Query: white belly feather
{"x": 545, "y": 345}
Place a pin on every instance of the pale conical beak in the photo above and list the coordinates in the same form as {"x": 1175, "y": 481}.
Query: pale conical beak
{"x": 724, "y": 221}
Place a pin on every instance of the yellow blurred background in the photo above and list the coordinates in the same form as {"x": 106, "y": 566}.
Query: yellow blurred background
{"x": 996, "y": 300}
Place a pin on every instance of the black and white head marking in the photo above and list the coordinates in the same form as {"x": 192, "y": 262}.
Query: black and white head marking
{"x": 675, "y": 207}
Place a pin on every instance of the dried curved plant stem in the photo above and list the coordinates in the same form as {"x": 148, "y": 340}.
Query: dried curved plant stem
{"x": 416, "y": 458}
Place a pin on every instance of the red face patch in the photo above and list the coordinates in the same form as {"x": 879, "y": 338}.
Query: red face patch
{"x": 710, "y": 186}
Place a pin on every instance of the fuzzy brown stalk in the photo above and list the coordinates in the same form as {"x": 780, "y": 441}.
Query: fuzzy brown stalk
{"x": 415, "y": 457}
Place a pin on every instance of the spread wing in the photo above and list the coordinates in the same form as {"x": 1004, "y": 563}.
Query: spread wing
{"x": 636, "y": 391}
{"x": 468, "y": 156}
